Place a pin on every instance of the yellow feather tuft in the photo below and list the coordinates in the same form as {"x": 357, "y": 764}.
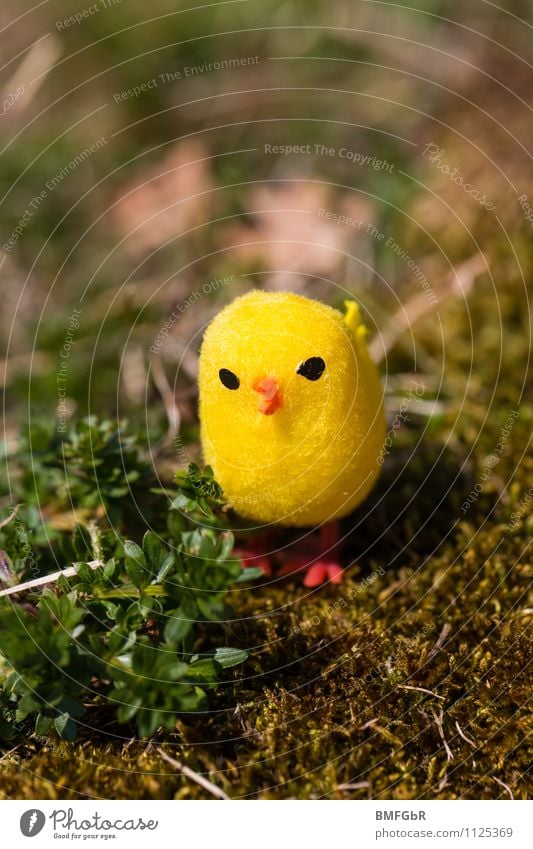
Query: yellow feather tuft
{"x": 352, "y": 318}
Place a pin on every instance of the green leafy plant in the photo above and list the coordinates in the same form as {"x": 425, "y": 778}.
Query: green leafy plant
{"x": 96, "y": 463}
{"x": 128, "y": 628}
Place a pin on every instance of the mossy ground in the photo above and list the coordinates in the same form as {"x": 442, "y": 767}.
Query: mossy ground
{"x": 410, "y": 679}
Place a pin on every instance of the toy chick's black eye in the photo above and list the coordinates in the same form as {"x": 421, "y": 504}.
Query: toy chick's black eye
{"x": 312, "y": 368}
{"x": 230, "y": 380}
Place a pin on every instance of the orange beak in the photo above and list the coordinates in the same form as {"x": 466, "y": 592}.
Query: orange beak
{"x": 268, "y": 389}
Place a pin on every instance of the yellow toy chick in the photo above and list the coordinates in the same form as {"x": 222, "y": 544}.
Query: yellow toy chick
{"x": 291, "y": 409}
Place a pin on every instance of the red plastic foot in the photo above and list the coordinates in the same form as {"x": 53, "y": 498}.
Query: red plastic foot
{"x": 323, "y": 571}
{"x": 321, "y": 561}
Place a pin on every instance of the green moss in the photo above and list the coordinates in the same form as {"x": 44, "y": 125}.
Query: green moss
{"x": 326, "y": 701}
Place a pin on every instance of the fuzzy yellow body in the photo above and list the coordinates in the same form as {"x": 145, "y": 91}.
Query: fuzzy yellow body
{"x": 285, "y": 448}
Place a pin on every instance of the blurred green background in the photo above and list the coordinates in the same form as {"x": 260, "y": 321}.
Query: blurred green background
{"x": 129, "y": 201}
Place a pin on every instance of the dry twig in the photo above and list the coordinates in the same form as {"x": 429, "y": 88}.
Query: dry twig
{"x": 194, "y": 776}
{"x": 504, "y": 785}
{"x": 421, "y": 689}
{"x": 48, "y": 579}
{"x": 438, "y": 717}
{"x": 463, "y": 735}
{"x": 460, "y": 281}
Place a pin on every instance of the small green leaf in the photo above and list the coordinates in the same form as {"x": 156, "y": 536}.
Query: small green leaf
{"x": 135, "y": 564}
{"x": 148, "y": 721}
{"x": 194, "y": 700}
{"x": 176, "y": 524}
{"x": 66, "y": 727}
{"x": 251, "y": 573}
{"x": 180, "y": 502}
{"x": 165, "y": 568}
{"x": 228, "y": 657}
{"x": 132, "y": 550}
{"x": 178, "y": 626}
{"x": 127, "y": 711}
{"x": 153, "y": 549}
{"x": 110, "y": 568}
{"x": 42, "y": 725}
{"x": 26, "y": 705}
{"x": 213, "y": 609}
{"x": 202, "y": 671}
